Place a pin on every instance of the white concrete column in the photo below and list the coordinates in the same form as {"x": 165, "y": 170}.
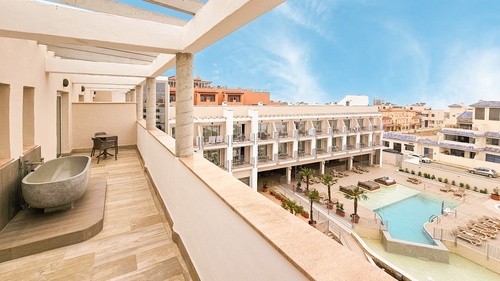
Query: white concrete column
{"x": 184, "y": 105}
{"x": 358, "y": 139}
{"x": 349, "y": 162}
{"x": 139, "y": 105}
{"x": 150, "y": 103}
{"x": 322, "y": 167}
{"x": 289, "y": 175}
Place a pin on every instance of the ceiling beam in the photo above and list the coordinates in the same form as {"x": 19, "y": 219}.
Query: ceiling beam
{"x": 219, "y": 18}
{"x": 124, "y": 10}
{"x": 110, "y": 80}
{"x": 185, "y": 6}
{"x": 41, "y": 21}
{"x": 55, "y": 65}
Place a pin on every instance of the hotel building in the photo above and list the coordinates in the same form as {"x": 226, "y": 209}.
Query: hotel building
{"x": 56, "y": 57}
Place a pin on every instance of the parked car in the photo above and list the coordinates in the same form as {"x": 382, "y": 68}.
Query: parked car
{"x": 422, "y": 158}
{"x": 390, "y": 150}
{"x": 484, "y": 172}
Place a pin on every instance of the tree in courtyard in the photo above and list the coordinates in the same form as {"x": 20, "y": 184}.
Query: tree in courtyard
{"x": 307, "y": 173}
{"x": 328, "y": 180}
{"x": 313, "y": 196}
{"x": 356, "y": 194}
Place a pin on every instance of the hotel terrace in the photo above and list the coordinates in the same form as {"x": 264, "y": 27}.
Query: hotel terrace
{"x": 56, "y": 58}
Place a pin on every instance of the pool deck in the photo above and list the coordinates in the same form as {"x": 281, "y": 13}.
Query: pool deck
{"x": 472, "y": 206}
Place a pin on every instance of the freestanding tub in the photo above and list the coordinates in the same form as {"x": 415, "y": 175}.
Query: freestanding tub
{"x": 57, "y": 184}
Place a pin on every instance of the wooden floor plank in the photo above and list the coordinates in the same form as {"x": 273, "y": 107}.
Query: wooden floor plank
{"x": 134, "y": 244}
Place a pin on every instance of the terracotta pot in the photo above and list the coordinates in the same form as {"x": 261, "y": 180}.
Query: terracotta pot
{"x": 355, "y": 218}
{"x": 495, "y": 197}
{"x": 305, "y": 215}
{"x": 330, "y": 206}
{"x": 340, "y": 213}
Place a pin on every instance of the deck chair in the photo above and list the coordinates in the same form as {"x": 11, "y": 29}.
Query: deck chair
{"x": 102, "y": 146}
{"x": 472, "y": 233}
{"x": 472, "y": 240}
{"x": 446, "y": 188}
{"x": 460, "y": 192}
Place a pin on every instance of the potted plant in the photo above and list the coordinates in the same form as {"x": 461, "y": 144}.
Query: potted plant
{"x": 328, "y": 180}
{"x": 264, "y": 185}
{"x": 340, "y": 209}
{"x": 495, "y": 195}
{"x": 356, "y": 194}
{"x": 313, "y": 196}
{"x": 305, "y": 214}
{"x": 299, "y": 187}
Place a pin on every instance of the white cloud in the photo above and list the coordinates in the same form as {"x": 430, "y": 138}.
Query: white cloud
{"x": 469, "y": 76}
{"x": 312, "y": 15}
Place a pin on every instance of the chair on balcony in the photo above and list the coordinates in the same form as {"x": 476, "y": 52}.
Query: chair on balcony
{"x": 102, "y": 146}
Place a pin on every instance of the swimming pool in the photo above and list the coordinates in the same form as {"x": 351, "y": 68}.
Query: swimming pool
{"x": 405, "y": 217}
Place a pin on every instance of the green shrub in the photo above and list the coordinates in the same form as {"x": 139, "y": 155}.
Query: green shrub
{"x": 475, "y": 188}
{"x": 419, "y": 173}
{"x": 440, "y": 179}
{"x": 467, "y": 186}
{"x": 453, "y": 182}
{"x": 485, "y": 191}
{"x": 462, "y": 184}
{"x": 445, "y": 180}
{"x": 433, "y": 177}
{"x": 412, "y": 172}
{"x": 401, "y": 170}
{"x": 406, "y": 170}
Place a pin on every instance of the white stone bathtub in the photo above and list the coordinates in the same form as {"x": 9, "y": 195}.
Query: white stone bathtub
{"x": 57, "y": 184}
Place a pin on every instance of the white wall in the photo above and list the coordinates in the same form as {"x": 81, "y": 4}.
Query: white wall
{"x": 113, "y": 118}
{"x": 23, "y": 64}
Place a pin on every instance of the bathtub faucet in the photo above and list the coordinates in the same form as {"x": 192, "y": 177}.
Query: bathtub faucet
{"x": 31, "y": 165}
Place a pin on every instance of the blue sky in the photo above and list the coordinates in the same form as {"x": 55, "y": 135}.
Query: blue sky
{"x": 438, "y": 52}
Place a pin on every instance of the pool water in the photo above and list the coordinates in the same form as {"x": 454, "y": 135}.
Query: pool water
{"x": 404, "y": 210}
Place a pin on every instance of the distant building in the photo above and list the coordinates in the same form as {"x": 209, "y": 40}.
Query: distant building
{"x": 206, "y": 94}
{"x": 351, "y": 100}
{"x": 472, "y": 141}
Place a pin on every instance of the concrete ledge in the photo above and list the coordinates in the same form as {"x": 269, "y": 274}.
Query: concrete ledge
{"x": 433, "y": 253}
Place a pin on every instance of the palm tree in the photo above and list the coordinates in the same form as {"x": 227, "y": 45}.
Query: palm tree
{"x": 308, "y": 173}
{"x": 328, "y": 180}
{"x": 356, "y": 194}
{"x": 313, "y": 195}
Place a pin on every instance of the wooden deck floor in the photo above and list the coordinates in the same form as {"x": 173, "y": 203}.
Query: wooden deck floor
{"x": 135, "y": 243}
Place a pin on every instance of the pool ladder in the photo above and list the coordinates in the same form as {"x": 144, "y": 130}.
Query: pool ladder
{"x": 431, "y": 218}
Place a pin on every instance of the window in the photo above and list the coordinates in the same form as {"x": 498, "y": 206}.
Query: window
{"x": 493, "y": 158}
{"x": 479, "y": 113}
{"x": 301, "y": 127}
{"x": 234, "y": 98}
{"x": 281, "y": 127}
{"x": 409, "y": 147}
{"x": 262, "y": 150}
{"x": 317, "y": 125}
{"x": 207, "y": 98}
{"x": 386, "y": 144}
{"x": 495, "y": 114}
{"x": 457, "y": 152}
{"x": 212, "y": 156}
{"x": 210, "y": 131}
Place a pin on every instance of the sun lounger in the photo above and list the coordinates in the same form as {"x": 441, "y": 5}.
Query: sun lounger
{"x": 370, "y": 185}
{"x": 472, "y": 240}
{"x": 483, "y": 227}
{"x": 460, "y": 192}
{"x": 472, "y": 232}
{"x": 362, "y": 169}
{"x": 446, "y": 188}
{"x": 476, "y": 230}
{"x": 414, "y": 180}
{"x": 385, "y": 181}
{"x": 354, "y": 169}
{"x": 492, "y": 220}
{"x": 488, "y": 223}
